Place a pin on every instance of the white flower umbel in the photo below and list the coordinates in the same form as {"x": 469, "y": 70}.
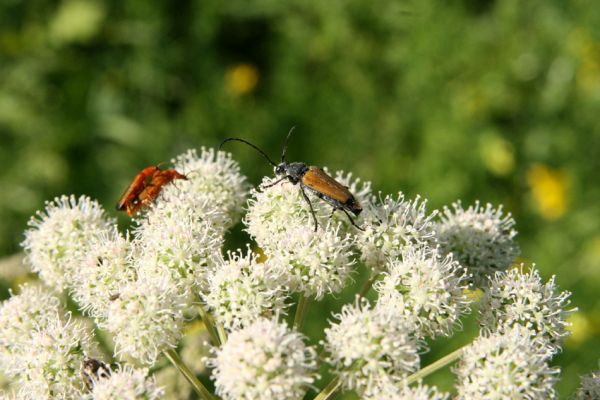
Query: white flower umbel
{"x": 216, "y": 176}
{"x": 425, "y": 288}
{"x": 179, "y": 236}
{"x": 59, "y": 236}
{"x": 481, "y": 239}
{"x": 33, "y": 307}
{"x": 590, "y": 387}
{"x": 126, "y": 383}
{"x": 369, "y": 345}
{"x": 389, "y": 391}
{"x": 390, "y": 225}
{"x": 52, "y": 359}
{"x": 240, "y": 290}
{"x": 510, "y": 365}
{"x": 314, "y": 263}
{"x": 519, "y": 297}
{"x": 264, "y": 361}
{"x": 105, "y": 267}
{"x": 146, "y": 318}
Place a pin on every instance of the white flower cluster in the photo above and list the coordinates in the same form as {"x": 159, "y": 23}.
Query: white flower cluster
{"x": 481, "y": 239}
{"x": 509, "y": 365}
{"x": 425, "y": 288}
{"x": 139, "y": 289}
{"x": 265, "y": 361}
{"x": 387, "y": 390}
{"x": 315, "y": 263}
{"x": 519, "y": 297}
{"x": 60, "y": 236}
{"x": 241, "y": 290}
{"x": 390, "y": 226}
{"x": 590, "y": 387}
{"x": 41, "y": 347}
{"x": 369, "y": 345}
{"x": 125, "y": 383}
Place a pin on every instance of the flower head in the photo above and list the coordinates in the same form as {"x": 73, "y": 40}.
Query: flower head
{"x": 507, "y": 365}
{"x": 51, "y": 358}
{"x": 426, "y": 288}
{"x": 387, "y": 390}
{"x": 590, "y": 387}
{"x": 264, "y": 360}
{"x": 518, "y": 297}
{"x": 481, "y": 240}
{"x": 369, "y": 345}
{"x": 390, "y": 226}
{"x": 315, "y": 263}
{"x": 125, "y": 383}
{"x": 32, "y": 308}
{"x": 216, "y": 176}
{"x": 105, "y": 267}
{"x": 240, "y": 290}
{"x": 146, "y": 318}
{"x": 58, "y": 237}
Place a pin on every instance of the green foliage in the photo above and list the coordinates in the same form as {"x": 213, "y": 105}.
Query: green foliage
{"x": 490, "y": 100}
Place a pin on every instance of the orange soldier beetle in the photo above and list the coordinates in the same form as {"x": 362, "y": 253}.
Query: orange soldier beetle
{"x": 146, "y": 187}
{"x": 313, "y": 179}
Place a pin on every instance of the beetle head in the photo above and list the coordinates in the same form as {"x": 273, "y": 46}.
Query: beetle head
{"x": 281, "y": 169}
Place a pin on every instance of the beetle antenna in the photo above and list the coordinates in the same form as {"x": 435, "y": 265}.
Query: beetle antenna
{"x": 285, "y": 145}
{"x": 249, "y": 144}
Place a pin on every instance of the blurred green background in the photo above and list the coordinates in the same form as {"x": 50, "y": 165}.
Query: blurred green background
{"x": 473, "y": 99}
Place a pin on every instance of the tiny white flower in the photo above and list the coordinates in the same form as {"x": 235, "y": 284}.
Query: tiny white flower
{"x": 519, "y": 297}
{"x": 480, "y": 239}
{"x": 390, "y": 225}
{"x": 315, "y": 263}
{"x": 426, "y": 288}
{"x": 145, "y": 319}
{"x": 59, "y": 236}
{"x": 387, "y": 390}
{"x": 216, "y": 176}
{"x": 510, "y": 365}
{"x": 241, "y": 290}
{"x": 105, "y": 267}
{"x": 126, "y": 383}
{"x": 264, "y": 361}
{"x": 368, "y": 345}
{"x": 590, "y": 387}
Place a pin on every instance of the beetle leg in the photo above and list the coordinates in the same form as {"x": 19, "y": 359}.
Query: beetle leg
{"x": 275, "y": 183}
{"x": 333, "y": 210}
{"x": 312, "y": 211}
{"x": 351, "y": 220}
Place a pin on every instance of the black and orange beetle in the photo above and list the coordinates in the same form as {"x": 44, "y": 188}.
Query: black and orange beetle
{"x": 313, "y": 179}
{"x": 146, "y": 187}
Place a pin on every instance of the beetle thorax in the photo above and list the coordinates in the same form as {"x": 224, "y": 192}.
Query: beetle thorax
{"x": 294, "y": 171}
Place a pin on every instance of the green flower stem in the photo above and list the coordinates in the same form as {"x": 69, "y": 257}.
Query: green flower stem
{"x": 431, "y": 368}
{"x": 200, "y": 389}
{"x": 210, "y": 325}
{"x": 300, "y": 312}
{"x": 221, "y": 333}
{"x": 367, "y": 286}
{"x": 330, "y": 390}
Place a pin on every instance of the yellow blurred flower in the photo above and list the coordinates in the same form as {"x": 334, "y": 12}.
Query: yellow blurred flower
{"x": 497, "y": 154}
{"x": 582, "y": 328}
{"x": 241, "y": 79}
{"x": 549, "y": 190}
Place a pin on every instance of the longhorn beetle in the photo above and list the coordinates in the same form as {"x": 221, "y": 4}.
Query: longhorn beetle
{"x": 313, "y": 179}
{"x": 146, "y": 187}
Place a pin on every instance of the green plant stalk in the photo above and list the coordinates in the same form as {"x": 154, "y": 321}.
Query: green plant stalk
{"x": 199, "y": 388}
{"x": 330, "y": 390}
{"x": 436, "y": 365}
{"x": 210, "y": 325}
{"x": 221, "y": 333}
{"x": 300, "y": 312}
{"x": 367, "y": 286}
